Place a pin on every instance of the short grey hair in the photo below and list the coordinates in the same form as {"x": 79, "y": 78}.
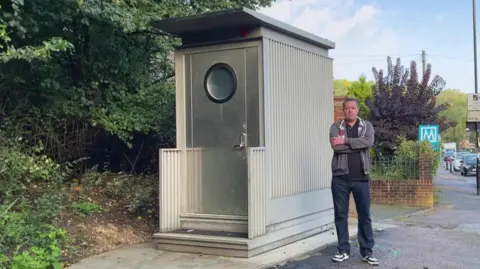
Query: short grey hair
{"x": 350, "y": 99}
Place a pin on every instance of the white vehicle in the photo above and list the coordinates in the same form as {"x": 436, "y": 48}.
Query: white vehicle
{"x": 451, "y": 146}
{"x": 448, "y": 150}
{"x": 457, "y": 161}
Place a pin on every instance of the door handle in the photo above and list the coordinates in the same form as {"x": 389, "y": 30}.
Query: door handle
{"x": 242, "y": 142}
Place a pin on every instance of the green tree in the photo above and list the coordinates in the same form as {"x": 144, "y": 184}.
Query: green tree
{"x": 361, "y": 90}
{"x": 340, "y": 87}
{"x": 110, "y": 95}
{"x": 29, "y": 53}
{"x": 456, "y": 112}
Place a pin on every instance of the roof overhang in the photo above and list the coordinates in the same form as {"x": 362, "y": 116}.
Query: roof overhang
{"x": 234, "y": 18}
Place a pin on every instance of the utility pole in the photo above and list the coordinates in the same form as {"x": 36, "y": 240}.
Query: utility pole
{"x": 476, "y": 88}
{"x": 424, "y": 61}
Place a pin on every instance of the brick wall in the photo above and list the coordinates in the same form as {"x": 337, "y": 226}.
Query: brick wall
{"x": 411, "y": 193}
{"x": 338, "y": 104}
{"x": 402, "y": 192}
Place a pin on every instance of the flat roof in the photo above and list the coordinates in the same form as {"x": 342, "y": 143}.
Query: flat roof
{"x": 238, "y": 17}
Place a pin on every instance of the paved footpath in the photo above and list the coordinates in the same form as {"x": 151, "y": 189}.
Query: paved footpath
{"x": 445, "y": 237}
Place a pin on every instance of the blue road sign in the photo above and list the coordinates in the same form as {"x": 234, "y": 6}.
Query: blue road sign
{"x": 429, "y": 133}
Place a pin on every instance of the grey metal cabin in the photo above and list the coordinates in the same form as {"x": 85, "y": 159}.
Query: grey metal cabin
{"x": 254, "y": 103}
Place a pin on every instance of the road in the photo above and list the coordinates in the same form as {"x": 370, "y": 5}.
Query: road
{"x": 446, "y": 237}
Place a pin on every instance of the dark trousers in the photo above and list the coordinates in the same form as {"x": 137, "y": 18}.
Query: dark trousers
{"x": 341, "y": 188}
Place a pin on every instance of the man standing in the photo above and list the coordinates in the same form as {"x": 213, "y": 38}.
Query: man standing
{"x": 351, "y": 140}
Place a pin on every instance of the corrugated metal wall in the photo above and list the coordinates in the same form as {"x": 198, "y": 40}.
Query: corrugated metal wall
{"x": 257, "y": 192}
{"x": 299, "y": 111}
{"x": 193, "y": 180}
{"x": 171, "y": 175}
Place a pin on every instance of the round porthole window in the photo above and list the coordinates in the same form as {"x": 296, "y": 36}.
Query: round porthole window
{"x": 220, "y": 83}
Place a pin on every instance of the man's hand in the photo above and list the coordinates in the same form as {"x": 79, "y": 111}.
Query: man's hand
{"x": 338, "y": 140}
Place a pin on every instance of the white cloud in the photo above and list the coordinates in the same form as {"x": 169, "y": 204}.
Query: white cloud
{"x": 357, "y": 30}
{"x": 324, "y": 21}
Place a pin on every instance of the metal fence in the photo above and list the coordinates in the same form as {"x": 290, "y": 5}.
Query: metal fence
{"x": 394, "y": 168}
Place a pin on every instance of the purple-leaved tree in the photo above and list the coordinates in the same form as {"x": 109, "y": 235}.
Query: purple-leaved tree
{"x": 401, "y": 101}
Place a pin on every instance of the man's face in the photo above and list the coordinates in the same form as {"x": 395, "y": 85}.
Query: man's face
{"x": 350, "y": 111}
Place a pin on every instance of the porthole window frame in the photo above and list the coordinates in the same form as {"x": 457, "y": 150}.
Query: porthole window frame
{"x": 235, "y": 82}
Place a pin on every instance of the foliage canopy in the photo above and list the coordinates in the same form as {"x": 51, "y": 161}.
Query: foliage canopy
{"x": 106, "y": 91}
{"x": 457, "y": 112}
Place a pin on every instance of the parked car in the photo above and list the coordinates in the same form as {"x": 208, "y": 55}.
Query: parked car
{"x": 464, "y": 157}
{"x": 469, "y": 164}
{"x": 457, "y": 161}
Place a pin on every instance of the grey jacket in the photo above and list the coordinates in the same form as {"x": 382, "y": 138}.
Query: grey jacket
{"x": 362, "y": 144}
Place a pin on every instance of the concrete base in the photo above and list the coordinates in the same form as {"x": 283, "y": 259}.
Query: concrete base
{"x": 225, "y": 246}
{"x": 146, "y": 257}
{"x": 243, "y": 247}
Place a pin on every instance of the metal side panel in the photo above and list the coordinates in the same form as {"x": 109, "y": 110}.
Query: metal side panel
{"x": 170, "y": 189}
{"x": 257, "y": 192}
{"x": 298, "y": 113}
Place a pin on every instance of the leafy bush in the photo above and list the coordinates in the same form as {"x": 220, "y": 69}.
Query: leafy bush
{"x": 86, "y": 208}
{"x": 28, "y": 236}
{"x": 409, "y": 150}
{"x": 42, "y": 257}
{"x": 20, "y": 167}
{"x": 29, "y": 203}
{"x": 405, "y": 163}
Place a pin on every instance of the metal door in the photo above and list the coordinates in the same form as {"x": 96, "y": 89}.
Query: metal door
{"x": 217, "y": 130}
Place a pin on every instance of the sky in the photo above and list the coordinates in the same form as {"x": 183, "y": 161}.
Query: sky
{"x": 366, "y": 32}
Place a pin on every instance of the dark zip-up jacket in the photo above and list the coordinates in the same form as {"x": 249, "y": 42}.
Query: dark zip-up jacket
{"x": 362, "y": 144}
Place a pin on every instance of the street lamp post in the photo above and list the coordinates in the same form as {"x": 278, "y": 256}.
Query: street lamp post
{"x": 476, "y": 89}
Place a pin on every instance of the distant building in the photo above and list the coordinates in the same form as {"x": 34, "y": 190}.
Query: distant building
{"x": 466, "y": 144}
